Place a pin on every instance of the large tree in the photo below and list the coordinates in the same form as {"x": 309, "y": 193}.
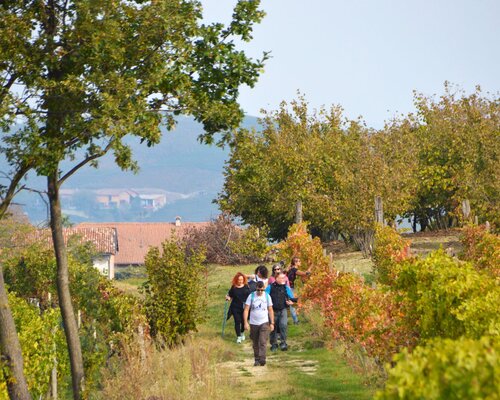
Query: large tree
{"x": 329, "y": 163}
{"x": 452, "y": 145}
{"x": 82, "y": 74}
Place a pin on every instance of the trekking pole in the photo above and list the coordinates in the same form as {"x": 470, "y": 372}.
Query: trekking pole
{"x": 224, "y": 317}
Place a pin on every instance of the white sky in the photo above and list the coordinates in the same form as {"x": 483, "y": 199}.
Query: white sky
{"x": 369, "y": 55}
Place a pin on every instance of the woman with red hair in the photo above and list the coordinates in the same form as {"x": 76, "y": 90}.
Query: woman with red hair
{"x": 237, "y": 295}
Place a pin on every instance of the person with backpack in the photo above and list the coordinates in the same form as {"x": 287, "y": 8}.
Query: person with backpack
{"x": 282, "y": 297}
{"x": 292, "y": 274}
{"x": 261, "y": 273}
{"x": 258, "y": 317}
{"x": 237, "y": 295}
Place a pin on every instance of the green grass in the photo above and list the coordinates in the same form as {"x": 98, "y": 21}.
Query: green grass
{"x": 307, "y": 371}
{"x": 332, "y": 378}
{"x": 353, "y": 262}
{"x": 290, "y": 371}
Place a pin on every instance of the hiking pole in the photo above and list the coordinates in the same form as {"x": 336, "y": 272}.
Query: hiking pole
{"x": 224, "y": 317}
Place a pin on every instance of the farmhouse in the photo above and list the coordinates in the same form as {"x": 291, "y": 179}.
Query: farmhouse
{"x": 136, "y": 238}
{"x": 104, "y": 240}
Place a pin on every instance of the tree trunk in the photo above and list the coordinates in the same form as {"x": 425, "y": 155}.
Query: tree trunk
{"x": 11, "y": 354}
{"x": 67, "y": 312}
{"x": 364, "y": 239}
{"x": 298, "y": 212}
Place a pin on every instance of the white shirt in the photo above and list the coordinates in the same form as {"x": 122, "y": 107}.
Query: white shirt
{"x": 259, "y": 312}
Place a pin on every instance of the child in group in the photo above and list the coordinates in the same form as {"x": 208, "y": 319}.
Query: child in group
{"x": 237, "y": 295}
{"x": 278, "y": 269}
{"x": 282, "y": 297}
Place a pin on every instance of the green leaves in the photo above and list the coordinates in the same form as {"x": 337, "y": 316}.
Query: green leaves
{"x": 333, "y": 165}
{"x": 174, "y": 295}
{"x": 451, "y": 298}
{"x": 42, "y": 340}
{"x": 446, "y": 369}
{"x": 96, "y": 71}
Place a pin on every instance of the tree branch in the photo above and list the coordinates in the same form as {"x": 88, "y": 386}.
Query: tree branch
{"x": 84, "y": 162}
{"x": 6, "y": 88}
{"x": 12, "y": 188}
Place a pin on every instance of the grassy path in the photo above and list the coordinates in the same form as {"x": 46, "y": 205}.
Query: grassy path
{"x": 303, "y": 372}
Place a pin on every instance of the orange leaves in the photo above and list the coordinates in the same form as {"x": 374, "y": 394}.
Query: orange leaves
{"x": 357, "y": 313}
{"x": 482, "y": 248}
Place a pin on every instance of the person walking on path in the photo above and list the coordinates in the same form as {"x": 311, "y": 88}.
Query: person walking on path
{"x": 292, "y": 274}
{"x": 278, "y": 269}
{"x": 261, "y": 273}
{"x": 282, "y": 297}
{"x": 237, "y": 295}
{"x": 260, "y": 308}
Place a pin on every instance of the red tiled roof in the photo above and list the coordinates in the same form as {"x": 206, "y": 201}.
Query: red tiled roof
{"x": 135, "y": 238}
{"x": 103, "y": 238}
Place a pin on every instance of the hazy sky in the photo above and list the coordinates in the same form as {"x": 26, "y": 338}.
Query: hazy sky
{"x": 369, "y": 55}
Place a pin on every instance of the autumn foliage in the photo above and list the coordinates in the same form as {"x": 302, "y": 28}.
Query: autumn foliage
{"x": 482, "y": 248}
{"x": 427, "y": 318}
{"x": 359, "y": 314}
{"x": 354, "y": 312}
{"x": 301, "y": 244}
{"x": 390, "y": 250}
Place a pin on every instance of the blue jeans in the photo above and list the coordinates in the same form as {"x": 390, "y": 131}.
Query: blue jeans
{"x": 294, "y": 315}
{"x": 280, "y": 326}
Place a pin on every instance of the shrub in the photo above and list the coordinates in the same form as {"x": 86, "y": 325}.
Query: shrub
{"x": 450, "y": 297}
{"x": 225, "y": 243}
{"x": 174, "y": 291}
{"x": 42, "y": 340}
{"x": 446, "y": 369}
{"x": 108, "y": 316}
{"x": 482, "y": 249}
{"x": 300, "y": 243}
{"x": 390, "y": 250}
{"x": 356, "y": 313}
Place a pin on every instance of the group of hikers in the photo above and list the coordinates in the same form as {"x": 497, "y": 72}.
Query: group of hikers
{"x": 260, "y": 305}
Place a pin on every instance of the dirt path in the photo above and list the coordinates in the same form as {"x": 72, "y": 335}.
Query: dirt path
{"x": 269, "y": 380}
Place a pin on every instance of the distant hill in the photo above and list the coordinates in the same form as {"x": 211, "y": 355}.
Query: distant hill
{"x": 179, "y": 164}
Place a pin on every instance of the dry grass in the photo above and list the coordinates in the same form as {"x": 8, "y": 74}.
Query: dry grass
{"x": 191, "y": 371}
{"x": 422, "y": 243}
{"x": 353, "y": 262}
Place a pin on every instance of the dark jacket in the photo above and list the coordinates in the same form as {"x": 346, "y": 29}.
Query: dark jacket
{"x": 279, "y": 295}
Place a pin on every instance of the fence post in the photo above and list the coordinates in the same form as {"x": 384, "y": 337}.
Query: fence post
{"x": 298, "y": 212}
{"x": 466, "y": 208}
{"x": 379, "y": 210}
